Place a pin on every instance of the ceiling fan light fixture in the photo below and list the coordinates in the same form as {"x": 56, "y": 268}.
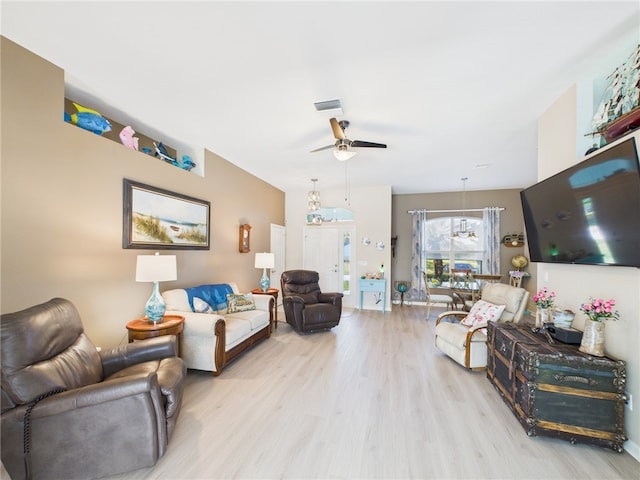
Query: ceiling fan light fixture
{"x": 342, "y": 154}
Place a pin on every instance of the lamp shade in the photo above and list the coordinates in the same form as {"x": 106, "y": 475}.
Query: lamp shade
{"x": 265, "y": 260}
{"x": 343, "y": 155}
{"x": 156, "y": 268}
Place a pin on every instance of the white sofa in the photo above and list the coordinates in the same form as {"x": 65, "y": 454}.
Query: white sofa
{"x": 211, "y": 340}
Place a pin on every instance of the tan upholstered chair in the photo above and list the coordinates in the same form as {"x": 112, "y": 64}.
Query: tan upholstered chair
{"x": 467, "y": 344}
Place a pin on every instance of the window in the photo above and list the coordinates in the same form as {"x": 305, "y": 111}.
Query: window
{"x": 346, "y": 262}
{"x": 443, "y": 251}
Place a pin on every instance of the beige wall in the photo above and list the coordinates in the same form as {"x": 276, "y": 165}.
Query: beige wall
{"x": 511, "y": 221}
{"x": 62, "y": 208}
{"x": 574, "y": 284}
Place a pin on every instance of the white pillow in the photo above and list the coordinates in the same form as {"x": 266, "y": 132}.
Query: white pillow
{"x": 481, "y": 313}
{"x": 200, "y": 306}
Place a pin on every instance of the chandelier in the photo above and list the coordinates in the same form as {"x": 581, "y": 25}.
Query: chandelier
{"x": 464, "y": 231}
{"x": 314, "y": 205}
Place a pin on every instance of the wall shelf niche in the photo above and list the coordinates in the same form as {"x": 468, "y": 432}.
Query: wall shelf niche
{"x": 145, "y": 143}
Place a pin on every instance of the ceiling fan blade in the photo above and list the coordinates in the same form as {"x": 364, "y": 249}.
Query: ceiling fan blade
{"x": 337, "y": 130}
{"x": 360, "y": 143}
{"x": 323, "y": 148}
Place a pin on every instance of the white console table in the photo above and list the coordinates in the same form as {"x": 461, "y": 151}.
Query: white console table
{"x": 374, "y": 285}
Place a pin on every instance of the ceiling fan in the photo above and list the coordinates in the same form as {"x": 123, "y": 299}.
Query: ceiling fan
{"x": 342, "y": 144}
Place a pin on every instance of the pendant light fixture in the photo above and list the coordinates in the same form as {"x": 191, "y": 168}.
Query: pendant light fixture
{"x": 313, "y": 203}
{"x": 464, "y": 231}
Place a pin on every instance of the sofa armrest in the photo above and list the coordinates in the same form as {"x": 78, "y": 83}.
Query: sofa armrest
{"x": 334, "y": 298}
{"x": 263, "y": 302}
{"x": 198, "y": 324}
{"x": 456, "y": 314}
{"x": 98, "y": 394}
{"x": 129, "y": 354}
{"x": 82, "y": 421}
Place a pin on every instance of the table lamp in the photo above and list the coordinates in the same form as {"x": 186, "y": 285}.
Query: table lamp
{"x": 155, "y": 268}
{"x": 264, "y": 261}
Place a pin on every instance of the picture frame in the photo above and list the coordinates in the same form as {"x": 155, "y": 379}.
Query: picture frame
{"x": 155, "y": 218}
{"x": 244, "y": 238}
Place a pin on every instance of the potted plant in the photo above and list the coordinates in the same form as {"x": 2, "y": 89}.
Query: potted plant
{"x": 597, "y": 311}
{"x": 544, "y": 302}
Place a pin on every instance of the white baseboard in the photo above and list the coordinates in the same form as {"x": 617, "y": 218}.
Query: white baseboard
{"x": 633, "y": 449}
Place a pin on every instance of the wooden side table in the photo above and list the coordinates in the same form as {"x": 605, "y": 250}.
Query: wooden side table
{"x": 274, "y": 293}
{"x": 142, "y": 328}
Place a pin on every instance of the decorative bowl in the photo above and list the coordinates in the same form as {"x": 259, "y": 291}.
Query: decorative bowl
{"x": 563, "y": 318}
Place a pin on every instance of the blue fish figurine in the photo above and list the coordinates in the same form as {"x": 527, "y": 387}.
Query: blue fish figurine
{"x": 88, "y": 119}
{"x": 162, "y": 153}
{"x": 186, "y": 163}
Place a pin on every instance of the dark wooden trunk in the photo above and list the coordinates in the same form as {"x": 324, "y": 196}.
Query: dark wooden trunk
{"x": 555, "y": 390}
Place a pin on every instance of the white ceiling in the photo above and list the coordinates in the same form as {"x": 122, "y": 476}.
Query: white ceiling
{"x": 447, "y": 86}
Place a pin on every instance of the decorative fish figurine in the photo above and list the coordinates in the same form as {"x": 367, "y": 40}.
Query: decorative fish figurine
{"x": 163, "y": 154}
{"x": 187, "y": 163}
{"x": 88, "y": 119}
{"x": 127, "y": 138}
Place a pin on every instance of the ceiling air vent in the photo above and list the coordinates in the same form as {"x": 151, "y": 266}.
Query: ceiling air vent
{"x": 332, "y": 107}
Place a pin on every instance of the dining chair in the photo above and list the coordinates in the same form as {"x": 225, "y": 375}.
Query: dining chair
{"x": 463, "y": 288}
{"x": 433, "y": 298}
{"x": 515, "y": 280}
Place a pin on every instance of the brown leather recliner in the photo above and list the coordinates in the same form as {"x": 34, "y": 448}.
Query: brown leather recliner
{"x": 80, "y": 413}
{"x": 306, "y": 308}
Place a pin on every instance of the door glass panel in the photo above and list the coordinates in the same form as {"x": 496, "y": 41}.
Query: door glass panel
{"x": 346, "y": 263}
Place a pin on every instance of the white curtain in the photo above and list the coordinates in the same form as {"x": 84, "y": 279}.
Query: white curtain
{"x": 418, "y": 256}
{"x": 491, "y": 228}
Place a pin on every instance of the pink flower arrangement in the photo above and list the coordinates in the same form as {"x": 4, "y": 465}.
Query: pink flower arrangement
{"x": 544, "y": 298}
{"x": 599, "y": 310}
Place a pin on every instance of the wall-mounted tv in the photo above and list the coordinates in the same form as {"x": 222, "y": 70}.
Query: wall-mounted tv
{"x": 590, "y": 212}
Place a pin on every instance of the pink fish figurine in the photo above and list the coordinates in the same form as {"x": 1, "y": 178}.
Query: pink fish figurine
{"x": 127, "y": 138}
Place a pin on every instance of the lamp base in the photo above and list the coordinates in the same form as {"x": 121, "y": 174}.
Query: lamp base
{"x": 265, "y": 283}
{"x": 155, "y": 306}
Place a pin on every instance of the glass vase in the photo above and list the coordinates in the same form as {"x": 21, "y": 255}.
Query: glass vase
{"x": 593, "y": 338}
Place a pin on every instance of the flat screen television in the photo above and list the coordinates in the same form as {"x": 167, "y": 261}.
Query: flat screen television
{"x": 588, "y": 213}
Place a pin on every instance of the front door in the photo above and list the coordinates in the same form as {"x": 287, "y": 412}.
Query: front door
{"x": 329, "y": 251}
{"x": 321, "y": 253}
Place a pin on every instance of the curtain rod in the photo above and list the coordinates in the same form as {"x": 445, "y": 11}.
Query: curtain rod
{"x": 449, "y": 211}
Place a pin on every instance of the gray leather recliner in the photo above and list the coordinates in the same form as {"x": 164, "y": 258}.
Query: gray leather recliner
{"x": 306, "y": 308}
{"x": 69, "y": 411}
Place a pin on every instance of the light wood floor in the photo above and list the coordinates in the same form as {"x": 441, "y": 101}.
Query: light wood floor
{"x": 373, "y": 398}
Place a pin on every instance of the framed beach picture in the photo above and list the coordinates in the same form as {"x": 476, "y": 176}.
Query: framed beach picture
{"x": 155, "y": 218}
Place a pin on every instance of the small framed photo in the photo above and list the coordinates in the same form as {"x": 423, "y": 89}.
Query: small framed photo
{"x": 154, "y": 218}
